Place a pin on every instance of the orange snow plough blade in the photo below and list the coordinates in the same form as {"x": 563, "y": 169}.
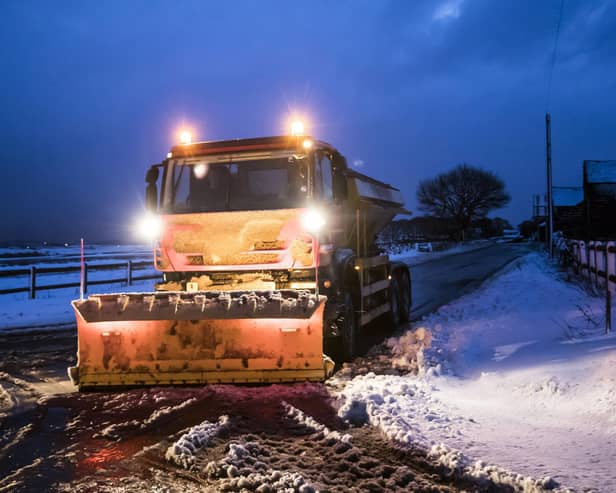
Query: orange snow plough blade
{"x": 164, "y": 338}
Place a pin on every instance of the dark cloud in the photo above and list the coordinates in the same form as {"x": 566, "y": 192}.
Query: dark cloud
{"x": 91, "y": 93}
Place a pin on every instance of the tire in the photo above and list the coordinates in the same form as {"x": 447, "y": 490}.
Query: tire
{"x": 349, "y": 329}
{"x": 393, "y": 319}
{"x": 404, "y": 297}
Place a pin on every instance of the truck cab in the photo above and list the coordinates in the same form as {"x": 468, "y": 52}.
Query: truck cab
{"x": 277, "y": 213}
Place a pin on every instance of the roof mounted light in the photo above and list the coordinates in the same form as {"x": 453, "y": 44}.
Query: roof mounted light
{"x": 307, "y": 144}
{"x": 185, "y": 137}
{"x": 297, "y": 128}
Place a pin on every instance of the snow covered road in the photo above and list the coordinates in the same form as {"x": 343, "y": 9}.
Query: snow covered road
{"x": 515, "y": 394}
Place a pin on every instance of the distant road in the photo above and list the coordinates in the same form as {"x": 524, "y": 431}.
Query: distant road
{"x": 439, "y": 281}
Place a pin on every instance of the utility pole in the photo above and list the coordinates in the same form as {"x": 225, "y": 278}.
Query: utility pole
{"x": 548, "y": 145}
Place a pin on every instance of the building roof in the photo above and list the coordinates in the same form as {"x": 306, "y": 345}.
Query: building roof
{"x": 567, "y": 196}
{"x": 600, "y": 171}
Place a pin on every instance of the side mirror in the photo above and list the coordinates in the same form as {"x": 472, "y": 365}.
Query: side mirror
{"x": 151, "y": 191}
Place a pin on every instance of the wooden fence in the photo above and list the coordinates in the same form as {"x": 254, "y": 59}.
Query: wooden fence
{"x": 596, "y": 260}
{"x": 33, "y": 273}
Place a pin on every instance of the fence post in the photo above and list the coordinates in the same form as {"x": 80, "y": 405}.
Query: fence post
{"x": 583, "y": 258}
{"x": 608, "y": 293}
{"x": 606, "y": 266}
{"x": 32, "y": 282}
{"x": 594, "y": 257}
{"x": 608, "y": 311}
{"x": 578, "y": 247}
{"x": 129, "y": 273}
{"x": 611, "y": 265}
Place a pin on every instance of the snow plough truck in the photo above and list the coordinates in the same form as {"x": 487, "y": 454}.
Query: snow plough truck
{"x": 266, "y": 248}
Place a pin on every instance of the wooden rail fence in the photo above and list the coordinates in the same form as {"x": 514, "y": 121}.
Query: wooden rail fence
{"x": 33, "y": 273}
{"x": 596, "y": 260}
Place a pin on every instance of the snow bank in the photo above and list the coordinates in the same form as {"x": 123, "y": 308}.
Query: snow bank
{"x": 302, "y": 418}
{"x": 183, "y": 451}
{"x": 241, "y": 470}
{"x": 166, "y": 411}
{"x": 485, "y": 473}
{"x": 402, "y": 407}
{"x": 517, "y": 374}
{"x": 408, "y": 413}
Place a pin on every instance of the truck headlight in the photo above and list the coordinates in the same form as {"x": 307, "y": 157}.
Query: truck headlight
{"x": 313, "y": 220}
{"x": 149, "y": 226}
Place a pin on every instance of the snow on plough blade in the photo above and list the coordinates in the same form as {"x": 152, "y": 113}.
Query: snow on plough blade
{"x": 180, "y": 338}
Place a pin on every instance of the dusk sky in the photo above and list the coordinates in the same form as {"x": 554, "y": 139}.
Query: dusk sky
{"x": 93, "y": 92}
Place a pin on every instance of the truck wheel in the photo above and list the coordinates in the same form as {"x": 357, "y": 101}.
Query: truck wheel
{"x": 404, "y": 297}
{"x": 349, "y": 329}
{"x": 394, "y": 314}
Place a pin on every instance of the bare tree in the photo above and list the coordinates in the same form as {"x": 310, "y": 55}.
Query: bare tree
{"x": 464, "y": 194}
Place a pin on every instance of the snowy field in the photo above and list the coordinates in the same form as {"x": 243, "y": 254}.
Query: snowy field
{"x": 518, "y": 384}
{"x": 52, "y": 307}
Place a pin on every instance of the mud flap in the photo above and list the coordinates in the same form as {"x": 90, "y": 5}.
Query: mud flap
{"x": 193, "y": 338}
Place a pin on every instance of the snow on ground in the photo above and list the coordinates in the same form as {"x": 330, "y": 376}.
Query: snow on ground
{"x": 302, "y": 418}
{"x": 58, "y": 253}
{"x": 515, "y": 382}
{"x": 182, "y": 452}
{"x": 242, "y": 470}
{"x": 18, "y": 312}
{"x": 112, "y": 431}
{"x": 519, "y": 374}
{"x": 53, "y": 307}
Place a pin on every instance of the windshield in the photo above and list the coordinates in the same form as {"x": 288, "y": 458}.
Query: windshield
{"x": 259, "y": 184}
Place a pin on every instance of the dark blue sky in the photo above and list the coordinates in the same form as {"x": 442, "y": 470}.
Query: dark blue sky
{"x": 91, "y": 93}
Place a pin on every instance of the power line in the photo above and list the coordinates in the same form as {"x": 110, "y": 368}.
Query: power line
{"x": 551, "y": 72}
